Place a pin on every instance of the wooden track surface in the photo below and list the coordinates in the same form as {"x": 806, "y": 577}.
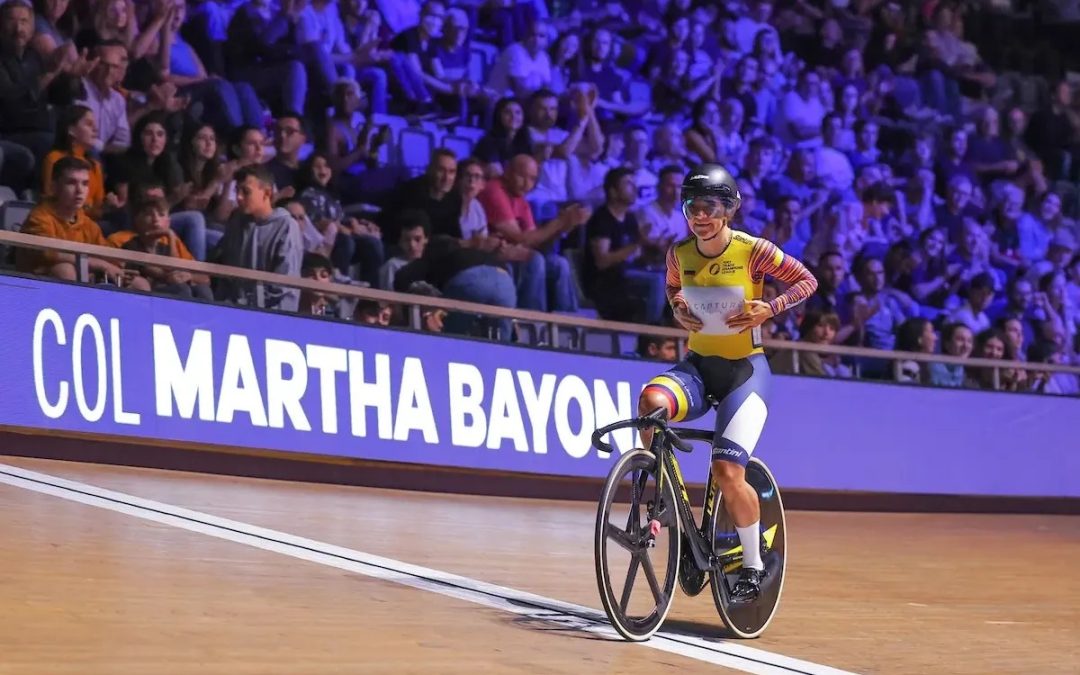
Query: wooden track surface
{"x": 87, "y": 590}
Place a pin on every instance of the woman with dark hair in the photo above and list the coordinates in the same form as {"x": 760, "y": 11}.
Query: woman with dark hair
{"x": 915, "y": 335}
{"x": 703, "y": 137}
{"x": 933, "y": 281}
{"x": 956, "y": 340}
{"x": 508, "y": 137}
{"x": 151, "y": 159}
{"x": 209, "y": 177}
{"x": 75, "y": 135}
{"x": 990, "y": 344}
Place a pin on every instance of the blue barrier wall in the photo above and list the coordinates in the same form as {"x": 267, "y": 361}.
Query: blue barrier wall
{"x": 101, "y": 361}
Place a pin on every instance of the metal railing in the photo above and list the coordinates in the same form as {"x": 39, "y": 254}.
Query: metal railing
{"x": 553, "y": 322}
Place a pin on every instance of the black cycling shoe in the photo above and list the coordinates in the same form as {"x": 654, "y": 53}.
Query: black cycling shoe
{"x": 748, "y": 587}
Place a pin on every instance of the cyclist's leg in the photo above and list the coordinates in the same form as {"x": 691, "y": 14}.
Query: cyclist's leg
{"x": 740, "y": 418}
{"x": 680, "y": 391}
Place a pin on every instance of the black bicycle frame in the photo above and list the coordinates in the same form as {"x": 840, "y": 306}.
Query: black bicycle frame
{"x": 663, "y": 440}
{"x": 700, "y": 546}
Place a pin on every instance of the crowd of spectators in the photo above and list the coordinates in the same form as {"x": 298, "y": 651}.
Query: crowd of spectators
{"x": 932, "y": 194}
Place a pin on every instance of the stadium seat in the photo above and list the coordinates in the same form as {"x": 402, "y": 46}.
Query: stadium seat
{"x": 13, "y": 213}
{"x": 415, "y": 146}
{"x": 460, "y": 146}
{"x": 7, "y": 194}
{"x": 474, "y": 134}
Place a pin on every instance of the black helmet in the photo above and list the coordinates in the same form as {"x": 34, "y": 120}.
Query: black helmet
{"x": 712, "y": 180}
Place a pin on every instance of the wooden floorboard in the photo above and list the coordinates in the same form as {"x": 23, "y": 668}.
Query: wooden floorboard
{"x": 96, "y": 591}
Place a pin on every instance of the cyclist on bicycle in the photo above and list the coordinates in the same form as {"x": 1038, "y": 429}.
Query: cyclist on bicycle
{"x": 714, "y": 283}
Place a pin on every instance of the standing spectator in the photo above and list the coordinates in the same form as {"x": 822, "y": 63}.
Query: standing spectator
{"x": 260, "y": 237}
{"x": 614, "y": 242}
{"x": 62, "y": 216}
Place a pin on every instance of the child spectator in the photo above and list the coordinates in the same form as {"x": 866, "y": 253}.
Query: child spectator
{"x": 152, "y": 234}
{"x": 414, "y": 230}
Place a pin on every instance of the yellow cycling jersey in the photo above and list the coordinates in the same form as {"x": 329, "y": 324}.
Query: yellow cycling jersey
{"x": 715, "y": 288}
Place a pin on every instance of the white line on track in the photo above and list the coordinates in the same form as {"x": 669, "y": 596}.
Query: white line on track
{"x": 535, "y": 607}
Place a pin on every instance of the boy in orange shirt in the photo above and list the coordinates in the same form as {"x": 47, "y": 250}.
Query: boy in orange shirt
{"x": 62, "y": 216}
{"x": 153, "y": 235}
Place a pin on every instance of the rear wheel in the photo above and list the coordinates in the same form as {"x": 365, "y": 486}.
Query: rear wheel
{"x": 749, "y": 620}
{"x": 637, "y": 561}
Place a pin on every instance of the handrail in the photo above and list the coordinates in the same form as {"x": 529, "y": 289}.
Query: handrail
{"x": 564, "y": 320}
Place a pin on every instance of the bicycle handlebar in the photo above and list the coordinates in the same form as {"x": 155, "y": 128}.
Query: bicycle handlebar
{"x": 639, "y": 423}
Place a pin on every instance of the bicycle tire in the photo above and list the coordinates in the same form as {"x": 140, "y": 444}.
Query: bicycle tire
{"x": 632, "y": 629}
{"x": 748, "y": 621}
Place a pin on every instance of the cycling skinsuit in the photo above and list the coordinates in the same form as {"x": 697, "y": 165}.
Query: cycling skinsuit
{"x": 724, "y": 364}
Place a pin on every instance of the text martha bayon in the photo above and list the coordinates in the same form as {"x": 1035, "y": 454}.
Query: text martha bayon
{"x": 288, "y": 384}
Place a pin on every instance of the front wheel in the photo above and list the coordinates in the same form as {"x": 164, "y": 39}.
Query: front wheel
{"x": 628, "y": 541}
{"x": 749, "y": 620}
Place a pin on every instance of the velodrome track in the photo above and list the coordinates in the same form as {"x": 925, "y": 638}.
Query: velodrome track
{"x": 127, "y": 570}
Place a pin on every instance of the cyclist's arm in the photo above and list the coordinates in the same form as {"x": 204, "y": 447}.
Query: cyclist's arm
{"x": 674, "y": 279}
{"x": 767, "y": 258}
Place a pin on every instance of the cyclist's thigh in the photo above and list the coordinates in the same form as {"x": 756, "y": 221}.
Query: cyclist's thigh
{"x": 684, "y": 390}
{"x": 740, "y": 417}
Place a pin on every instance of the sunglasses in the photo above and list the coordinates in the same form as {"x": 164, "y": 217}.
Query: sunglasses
{"x": 708, "y": 207}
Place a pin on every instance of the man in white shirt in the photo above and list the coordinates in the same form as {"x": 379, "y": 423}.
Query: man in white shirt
{"x": 637, "y": 160}
{"x": 552, "y": 146}
{"x": 662, "y": 221}
{"x": 108, "y": 105}
{"x": 524, "y": 66}
{"x": 747, "y": 27}
{"x": 980, "y": 293}
{"x": 801, "y": 113}
{"x": 833, "y": 166}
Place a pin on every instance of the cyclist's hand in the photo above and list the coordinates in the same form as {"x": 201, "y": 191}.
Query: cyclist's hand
{"x": 755, "y": 313}
{"x": 686, "y": 318}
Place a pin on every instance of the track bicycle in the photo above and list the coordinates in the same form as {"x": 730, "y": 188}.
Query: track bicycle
{"x": 645, "y": 510}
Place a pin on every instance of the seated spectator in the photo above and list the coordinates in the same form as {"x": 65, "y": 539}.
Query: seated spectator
{"x": 553, "y": 145}
{"x": 875, "y": 312}
{"x": 352, "y": 139}
{"x": 152, "y": 234}
{"x": 956, "y": 340}
{"x": 317, "y": 268}
{"x": 229, "y": 104}
{"x": 668, "y": 148}
{"x": 620, "y": 291}
{"x": 290, "y": 135}
{"x": 432, "y": 192}
{"x": 704, "y": 136}
{"x": 28, "y": 78}
{"x": 523, "y": 67}
{"x": 662, "y": 221}
{"x": 1013, "y": 330}
{"x": 1061, "y": 384}
{"x": 801, "y": 113}
{"x": 373, "y": 313}
{"x": 260, "y": 237}
{"x": 108, "y": 105}
{"x": 318, "y": 239}
{"x": 63, "y": 216}
{"x": 462, "y": 273}
{"x": 446, "y": 70}
{"x": 990, "y": 344}
{"x": 75, "y": 135}
{"x": 831, "y": 273}
{"x": 915, "y": 335}
{"x": 831, "y": 162}
{"x": 508, "y": 137}
{"x": 414, "y": 229}
{"x": 782, "y": 230}
{"x": 359, "y": 241}
{"x": 1019, "y": 238}
{"x": 977, "y": 297}
{"x": 658, "y": 348}
{"x": 208, "y": 177}
{"x": 1018, "y": 303}
{"x": 635, "y": 158}
{"x": 471, "y": 181}
{"x": 258, "y": 51}
{"x": 816, "y": 328}
{"x": 953, "y": 162}
{"x": 510, "y": 217}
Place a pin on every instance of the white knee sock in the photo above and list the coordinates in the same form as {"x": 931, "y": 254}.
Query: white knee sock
{"x": 750, "y": 538}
